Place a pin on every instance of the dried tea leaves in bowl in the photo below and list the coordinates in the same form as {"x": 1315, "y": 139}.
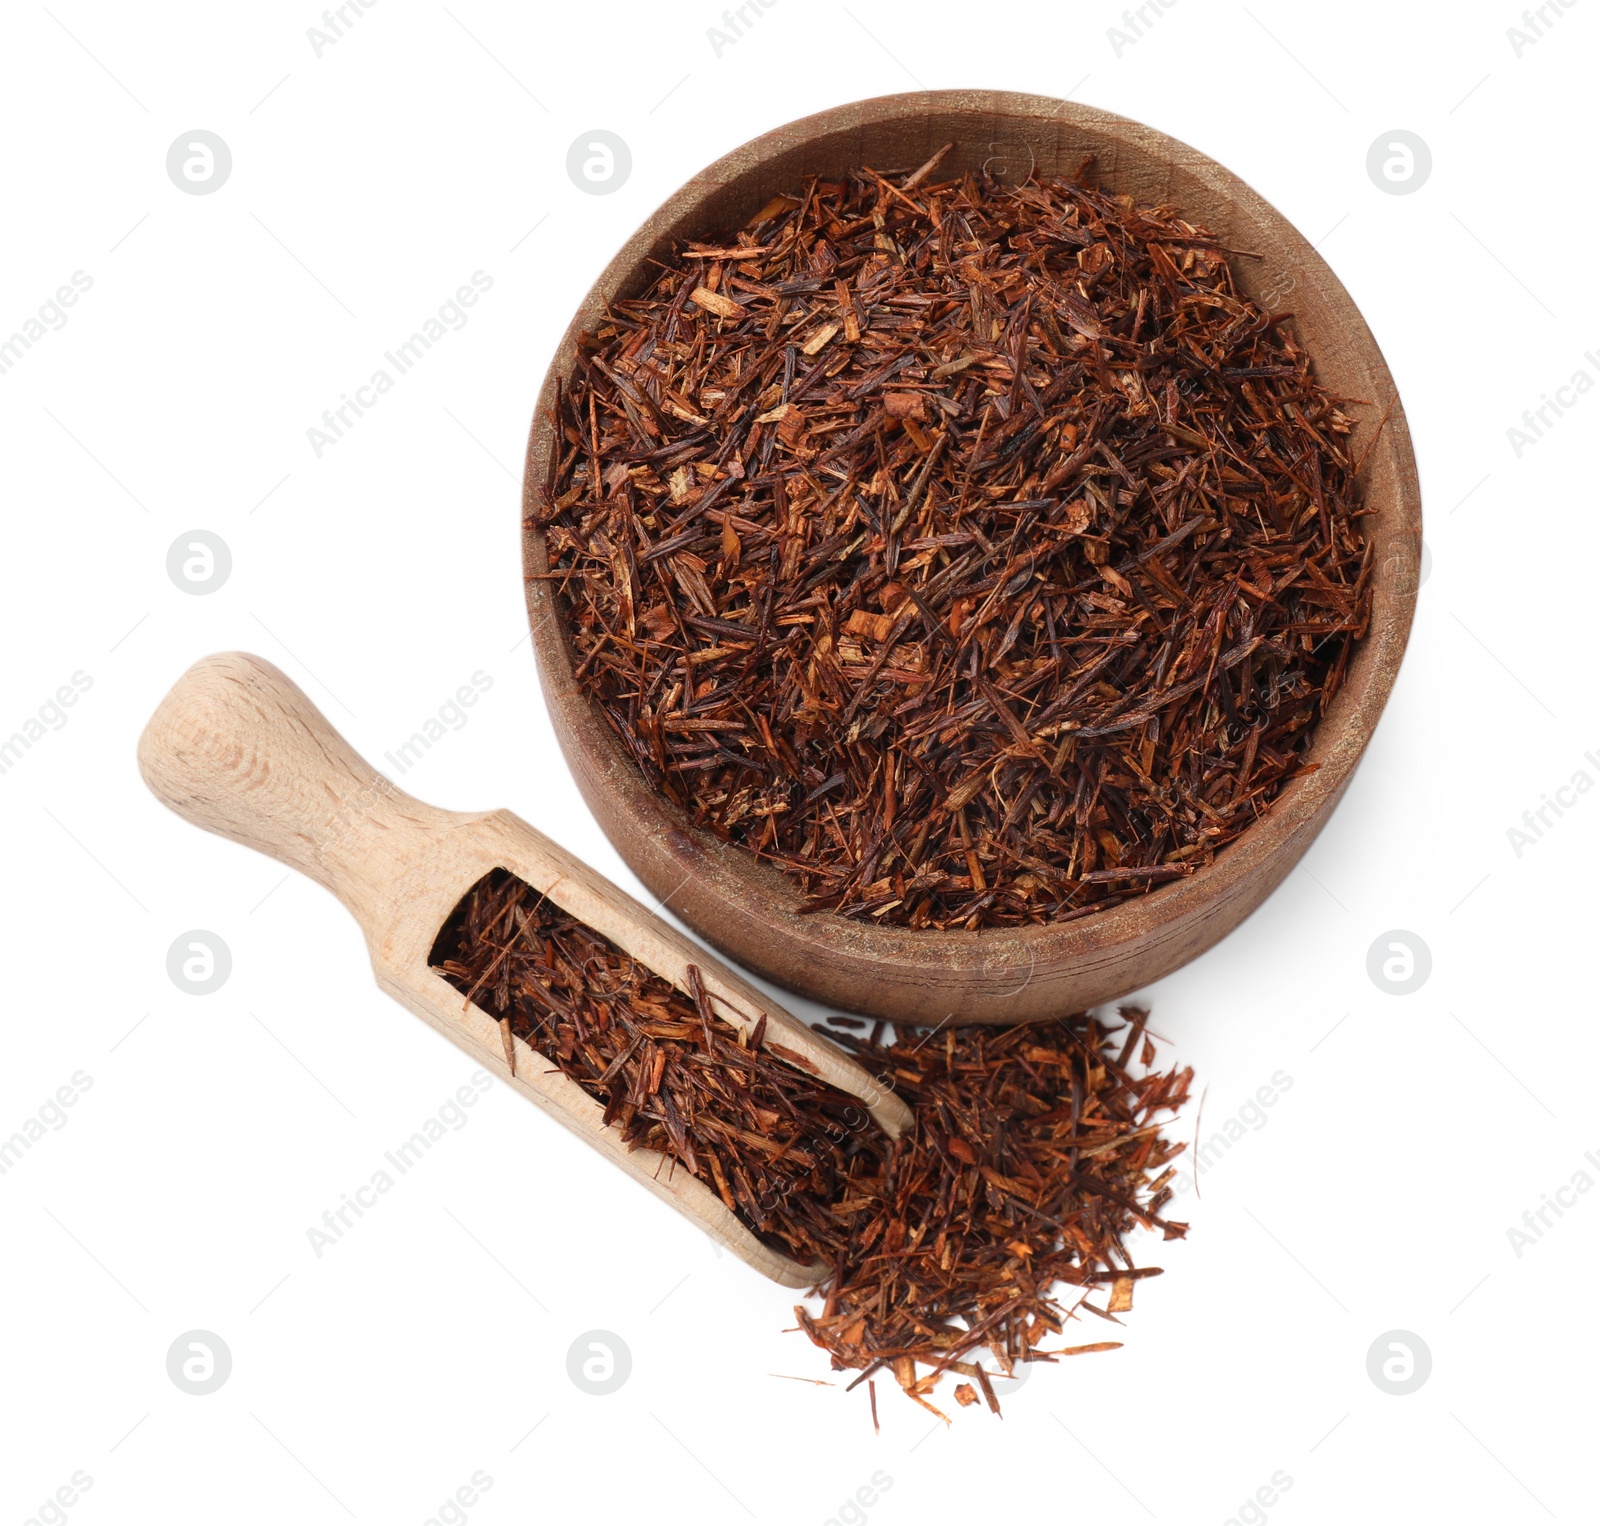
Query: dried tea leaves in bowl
{"x": 977, "y": 555}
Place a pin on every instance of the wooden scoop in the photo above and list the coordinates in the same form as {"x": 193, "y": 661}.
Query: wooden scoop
{"x": 238, "y": 749}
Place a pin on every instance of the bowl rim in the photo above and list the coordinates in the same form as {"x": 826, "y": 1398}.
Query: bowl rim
{"x": 1284, "y": 831}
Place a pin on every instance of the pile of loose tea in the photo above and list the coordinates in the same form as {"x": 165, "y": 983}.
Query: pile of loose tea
{"x": 1034, "y": 1150}
{"x": 976, "y": 554}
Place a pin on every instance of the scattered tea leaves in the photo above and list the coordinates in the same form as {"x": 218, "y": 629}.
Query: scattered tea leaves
{"x": 1034, "y": 1151}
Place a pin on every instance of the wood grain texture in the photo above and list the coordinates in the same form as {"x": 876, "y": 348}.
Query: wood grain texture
{"x": 750, "y": 910}
{"x": 238, "y": 749}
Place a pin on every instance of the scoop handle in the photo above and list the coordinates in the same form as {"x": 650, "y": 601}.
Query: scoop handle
{"x": 236, "y": 747}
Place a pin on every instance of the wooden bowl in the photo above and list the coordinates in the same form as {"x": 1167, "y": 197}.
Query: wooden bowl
{"x": 748, "y": 909}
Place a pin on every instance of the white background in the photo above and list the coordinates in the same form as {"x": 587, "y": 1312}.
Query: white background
{"x": 430, "y": 1342}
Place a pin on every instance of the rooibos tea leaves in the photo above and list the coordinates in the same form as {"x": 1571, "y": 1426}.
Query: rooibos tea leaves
{"x": 1034, "y": 1150}
{"x": 773, "y": 1142}
{"x": 977, "y": 555}
{"x": 1037, "y": 1149}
